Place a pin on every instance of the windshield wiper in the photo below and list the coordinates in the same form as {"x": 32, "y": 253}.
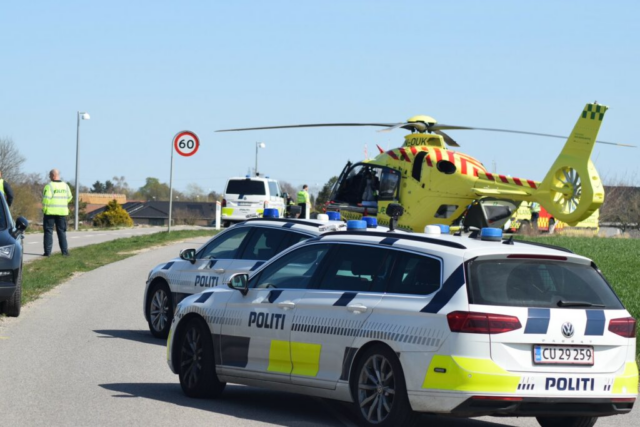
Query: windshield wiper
{"x": 562, "y": 303}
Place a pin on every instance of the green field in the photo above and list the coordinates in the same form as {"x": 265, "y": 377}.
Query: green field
{"x": 41, "y": 275}
{"x": 618, "y": 259}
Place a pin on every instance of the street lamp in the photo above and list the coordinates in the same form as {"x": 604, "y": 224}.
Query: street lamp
{"x": 258, "y": 145}
{"x": 84, "y": 116}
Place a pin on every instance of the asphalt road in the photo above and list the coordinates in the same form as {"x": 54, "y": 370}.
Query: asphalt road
{"x": 34, "y": 245}
{"x": 82, "y": 355}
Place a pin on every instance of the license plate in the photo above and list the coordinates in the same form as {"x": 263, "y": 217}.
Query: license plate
{"x": 244, "y": 203}
{"x": 564, "y": 355}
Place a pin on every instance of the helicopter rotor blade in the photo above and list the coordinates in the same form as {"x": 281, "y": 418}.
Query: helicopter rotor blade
{"x": 449, "y": 127}
{"x": 450, "y": 141}
{"x": 317, "y": 125}
{"x": 419, "y": 126}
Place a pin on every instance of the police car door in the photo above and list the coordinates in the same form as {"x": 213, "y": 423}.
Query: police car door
{"x": 263, "y": 244}
{"x": 212, "y": 261}
{"x": 329, "y": 317}
{"x": 255, "y": 335}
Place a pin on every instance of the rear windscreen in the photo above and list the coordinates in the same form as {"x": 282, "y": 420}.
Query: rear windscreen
{"x": 538, "y": 283}
{"x": 246, "y": 187}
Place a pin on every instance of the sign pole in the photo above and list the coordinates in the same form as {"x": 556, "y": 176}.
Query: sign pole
{"x": 186, "y": 143}
{"x": 171, "y": 186}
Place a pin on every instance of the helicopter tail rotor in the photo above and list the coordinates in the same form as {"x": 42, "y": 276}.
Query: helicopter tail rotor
{"x": 572, "y": 189}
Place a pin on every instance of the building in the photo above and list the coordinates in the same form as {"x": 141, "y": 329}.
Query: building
{"x": 157, "y": 213}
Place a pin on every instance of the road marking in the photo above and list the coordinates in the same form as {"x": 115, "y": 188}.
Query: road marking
{"x": 4, "y": 338}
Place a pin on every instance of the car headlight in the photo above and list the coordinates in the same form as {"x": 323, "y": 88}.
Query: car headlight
{"x": 7, "y": 251}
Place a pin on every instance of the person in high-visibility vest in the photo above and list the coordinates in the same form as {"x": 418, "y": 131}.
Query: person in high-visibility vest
{"x": 56, "y": 197}
{"x": 6, "y": 190}
{"x": 304, "y": 201}
{"x": 535, "y": 214}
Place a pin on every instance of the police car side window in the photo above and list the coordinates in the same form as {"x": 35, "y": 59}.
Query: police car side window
{"x": 355, "y": 268}
{"x": 294, "y": 270}
{"x": 226, "y": 246}
{"x": 263, "y": 244}
{"x": 415, "y": 275}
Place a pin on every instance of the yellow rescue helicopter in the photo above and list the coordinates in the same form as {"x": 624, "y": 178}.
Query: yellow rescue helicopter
{"x": 436, "y": 185}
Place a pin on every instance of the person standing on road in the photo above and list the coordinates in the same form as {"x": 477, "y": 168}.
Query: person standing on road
{"x": 304, "y": 201}
{"x": 6, "y": 190}
{"x": 55, "y": 206}
{"x": 535, "y": 214}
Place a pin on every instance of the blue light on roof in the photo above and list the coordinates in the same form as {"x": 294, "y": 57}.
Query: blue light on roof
{"x": 247, "y": 176}
{"x": 334, "y": 216}
{"x": 356, "y": 224}
{"x": 444, "y": 229}
{"x": 371, "y": 221}
{"x": 491, "y": 234}
{"x": 270, "y": 213}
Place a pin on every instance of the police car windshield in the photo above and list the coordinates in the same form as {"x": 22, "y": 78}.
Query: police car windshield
{"x": 246, "y": 187}
{"x": 539, "y": 283}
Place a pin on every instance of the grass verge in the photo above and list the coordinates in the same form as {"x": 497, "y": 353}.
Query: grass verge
{"x": 618, "y": 260}
{"x": 42, "y": 275}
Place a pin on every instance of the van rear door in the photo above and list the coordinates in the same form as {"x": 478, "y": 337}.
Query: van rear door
{"x": 245, "y": 196}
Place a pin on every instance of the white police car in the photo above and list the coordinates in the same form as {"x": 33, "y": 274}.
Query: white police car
{"x": 400, "y": 324}
{"x": 243, "y": 247}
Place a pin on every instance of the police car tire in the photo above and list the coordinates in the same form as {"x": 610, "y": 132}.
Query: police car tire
{"x": 12, "y": 305}
{"x": 198, "y": 380}
{"x": 401, "y": 413}
{"x": 566, "y": 421}
{"x": 164, "y": 332}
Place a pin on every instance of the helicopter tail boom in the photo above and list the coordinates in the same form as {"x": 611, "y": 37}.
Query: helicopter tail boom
{"x": 572, "y": 189}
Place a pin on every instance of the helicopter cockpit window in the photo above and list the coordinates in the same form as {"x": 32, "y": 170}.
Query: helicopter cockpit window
{"x": 366, "y": 184}
{"x": 389, "y": 183}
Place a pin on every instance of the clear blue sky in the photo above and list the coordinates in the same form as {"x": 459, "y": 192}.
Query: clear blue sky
{"x": 145, "y": 70}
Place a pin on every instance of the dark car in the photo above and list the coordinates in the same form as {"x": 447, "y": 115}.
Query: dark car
{"x": 11, "y": 235}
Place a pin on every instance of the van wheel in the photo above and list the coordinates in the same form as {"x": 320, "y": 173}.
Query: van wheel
{"x": 159, "y": 310}
{"x": 566, "y": 421}
{"x": 226, "y": 224}
{"x": 379, "y": 390}
{"x": 196, "y": 366}
{"x": 12, "y": 305}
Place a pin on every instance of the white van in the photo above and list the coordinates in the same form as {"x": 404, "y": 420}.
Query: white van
{"x": 246, "y": 197}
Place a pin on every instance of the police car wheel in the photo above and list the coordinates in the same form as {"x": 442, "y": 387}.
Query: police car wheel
{"x": 12, "y": 305}
{"x": 566, "y": 421}
{"x": 197, "y": 372}
{"x": 379, "y": 390}
{"x": 159, "y": 310}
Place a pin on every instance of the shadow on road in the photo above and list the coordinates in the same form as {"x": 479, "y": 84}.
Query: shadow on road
{"x": 238, "y": 401}
{"x": 286, "y": 409}
{"x": 144, "y": 336}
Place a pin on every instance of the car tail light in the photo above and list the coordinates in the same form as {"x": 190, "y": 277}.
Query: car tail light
{"x": 481, "y": 323}
{"x": 224, "y": 203}
{"x": 625, "y": 327}
{"x": 266, "y": 204}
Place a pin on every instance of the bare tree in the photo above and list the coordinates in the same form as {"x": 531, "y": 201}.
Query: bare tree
{"x": 10, "y": 159}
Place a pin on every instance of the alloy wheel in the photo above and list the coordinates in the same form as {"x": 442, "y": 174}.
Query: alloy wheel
{"x": 376, "y": 389}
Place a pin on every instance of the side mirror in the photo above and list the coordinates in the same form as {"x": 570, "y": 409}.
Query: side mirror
{"x": 21, "y": 226}
{"x": 239, "y": 282}
{"x": 188, "y": 255}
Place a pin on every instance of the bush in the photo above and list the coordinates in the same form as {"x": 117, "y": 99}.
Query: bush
{"x": 113, "y": 216}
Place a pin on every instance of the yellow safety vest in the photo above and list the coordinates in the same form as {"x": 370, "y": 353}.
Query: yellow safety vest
{"x": 1, "y": 185}
{"x": 303, "y": 197}
{"x": 535, "y": 207}
{"x": 56, "y": 198}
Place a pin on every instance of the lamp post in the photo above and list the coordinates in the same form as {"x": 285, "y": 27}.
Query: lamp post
{"x": 258, "y": 145}
{"x": 84, "y": 116}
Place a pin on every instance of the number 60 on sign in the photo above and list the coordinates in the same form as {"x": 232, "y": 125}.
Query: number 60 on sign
{"x": 186, "y": 143}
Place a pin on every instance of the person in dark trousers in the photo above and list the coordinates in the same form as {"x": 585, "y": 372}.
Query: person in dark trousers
{"x": 56, "y": 197}
{"x": 6, "y": 190}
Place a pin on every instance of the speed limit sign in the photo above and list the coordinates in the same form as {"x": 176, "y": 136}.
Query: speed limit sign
{"x": 186, "y": 143}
